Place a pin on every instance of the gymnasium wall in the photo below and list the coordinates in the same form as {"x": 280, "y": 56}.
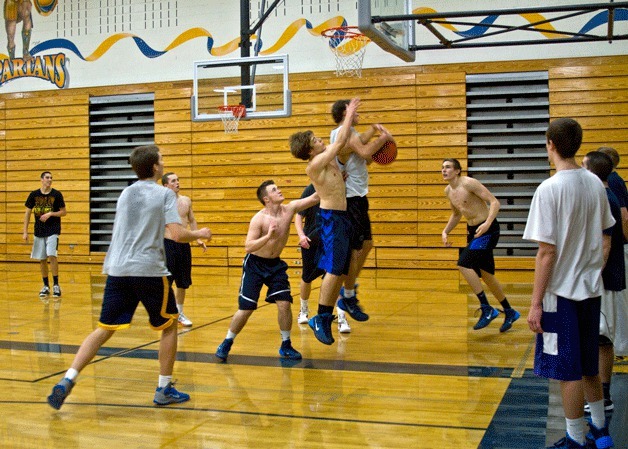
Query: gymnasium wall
{"x": 423, "y": 106}
{"x": 80, "y": 43}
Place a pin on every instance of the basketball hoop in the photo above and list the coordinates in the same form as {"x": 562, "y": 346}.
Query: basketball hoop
{"x": 348, "y": 46}
{"x": 231, "y": 116}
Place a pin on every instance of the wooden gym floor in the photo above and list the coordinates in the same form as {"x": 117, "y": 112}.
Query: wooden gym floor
{"x": 414, "y": 376}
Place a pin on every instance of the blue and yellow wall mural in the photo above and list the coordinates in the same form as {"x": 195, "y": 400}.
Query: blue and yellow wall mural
{"x": 47, "y": 59}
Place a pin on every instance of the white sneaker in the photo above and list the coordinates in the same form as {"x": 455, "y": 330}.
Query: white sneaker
{"x": 303, "y": 317}
{"x": 183, "y": 320}
{"x": 343, "y": 326}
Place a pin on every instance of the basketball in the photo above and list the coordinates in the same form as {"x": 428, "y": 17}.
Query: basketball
{"x": 386, "y": 154}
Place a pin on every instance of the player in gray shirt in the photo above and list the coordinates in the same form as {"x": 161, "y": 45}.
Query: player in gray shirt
{"x": 136, "y": 269}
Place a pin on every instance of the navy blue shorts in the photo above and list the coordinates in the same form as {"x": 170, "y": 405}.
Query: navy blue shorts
{"x": 335, "y": 231}
{"x": 358, "y": 210}
{"x": 310, "y": 258}
{"x": 257, "y": 272}
{"x": 568, "y": 347}
{"x": 123, "y": 294}
{"x": 478, "y": 254}
{"x": 179, "y": 263}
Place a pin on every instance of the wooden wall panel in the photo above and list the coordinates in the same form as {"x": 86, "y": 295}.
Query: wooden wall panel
{"x": 423, "y": 106}
{"x": 442, "y": 96}
{"x": 47, "y": 132}
{"x": 3, "y": 183}
{"x": 598, "y": 98}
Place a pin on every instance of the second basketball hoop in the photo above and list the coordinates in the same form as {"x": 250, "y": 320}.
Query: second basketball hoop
{"x": 348, "y": 46}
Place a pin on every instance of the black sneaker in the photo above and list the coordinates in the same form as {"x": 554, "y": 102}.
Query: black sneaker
{"x": 351, "y": 306}
{"x": 288, "y": 352}
{"x": 45, "y": 291}
{"x": 56, "y": 291}
{"x": 223, "y": 349}
{"x": 60, "y": 392}
{"x": 511, "y": 316}
{"x": 488, "y": 314}
{"x": 321, "y": 325}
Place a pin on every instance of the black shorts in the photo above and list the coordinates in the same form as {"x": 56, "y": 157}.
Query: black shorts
{"x": 257, "y": 272}
{"x": 310, "y": 258}
{"x": 179, "y": 263}
{"x": 123, "y": 294}
{"x": 478, "y": 254}
{"x": 358, "y": 210}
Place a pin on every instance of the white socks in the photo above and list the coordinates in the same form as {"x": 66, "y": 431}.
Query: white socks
{"x": 71, "y": 374}
{"x": 164, "y": 380}
{"x": 575, "y": 429}
{"x": 597, "y": 413}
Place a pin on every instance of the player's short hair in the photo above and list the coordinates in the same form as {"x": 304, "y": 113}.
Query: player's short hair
{"x": 612, "y": 153}
{"x": 338, "y": 110}
{"x": 566, "y": 134}
{"x": 301, "y": 144}
{"x": 44, "y": 173}
{"x": 164, "y": 178}
{"x": 143, "y": 159}
{"x": 262, "y": 191}
{"x": 599, "y": 164}
{"x": 455, "y": 162}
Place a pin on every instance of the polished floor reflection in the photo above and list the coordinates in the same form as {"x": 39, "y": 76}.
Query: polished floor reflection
{"x": 414, "y": 376}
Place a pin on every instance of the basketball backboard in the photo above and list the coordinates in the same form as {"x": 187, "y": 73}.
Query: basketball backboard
{"x": 258, "y": 82}
{"x": 395, "y": 37}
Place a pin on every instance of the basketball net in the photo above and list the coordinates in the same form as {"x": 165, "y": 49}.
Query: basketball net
{"x": 348, "y": 46}
{"x": 231, "y": 116}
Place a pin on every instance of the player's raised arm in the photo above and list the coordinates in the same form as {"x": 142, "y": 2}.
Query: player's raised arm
{"x": 304, "y": 203}
{"x": 345, "y": 131}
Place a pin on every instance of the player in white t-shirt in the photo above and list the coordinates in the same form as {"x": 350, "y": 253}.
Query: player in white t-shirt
{"x": 568, "y": 215}
{"x": 354, "y": 165}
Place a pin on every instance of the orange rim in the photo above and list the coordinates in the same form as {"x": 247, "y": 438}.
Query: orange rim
{"x": 237, "y": 110}
{"x": 348, "y": 32}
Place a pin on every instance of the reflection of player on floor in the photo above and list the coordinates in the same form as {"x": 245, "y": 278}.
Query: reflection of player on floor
{"x": 309, "y": 241}
{"x": 469, "y": 198}
{"x": 136, "y": 272}
{"x": 568, "y": 215}
{"x": 179, "y": 255}
{"x": 267, "y": 236}
{"x": 353, "y": 161}
{"x": 18, "y": 11}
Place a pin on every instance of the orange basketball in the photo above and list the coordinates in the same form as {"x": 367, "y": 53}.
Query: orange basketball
{"x": 386, "y": 154}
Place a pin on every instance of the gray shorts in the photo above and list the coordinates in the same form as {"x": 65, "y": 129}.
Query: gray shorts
{"x": 44, "y": 247}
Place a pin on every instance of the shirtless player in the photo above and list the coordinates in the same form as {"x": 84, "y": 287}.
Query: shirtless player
{"x": 335, "y": 227}
{"x": 267, "y": 236}
{"x": 469, "y": 198}
{"x": 179, "y": 255}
